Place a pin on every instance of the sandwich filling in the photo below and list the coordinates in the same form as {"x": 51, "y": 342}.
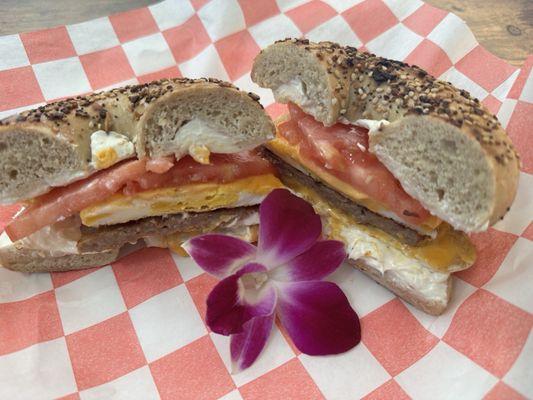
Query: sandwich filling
{"x": 144, "y": 190}
{"x": 363, "y": 205}
{"x": 424, "y": 267}
{"x": 339, "y": 156}
{"x": 69, "y": 236}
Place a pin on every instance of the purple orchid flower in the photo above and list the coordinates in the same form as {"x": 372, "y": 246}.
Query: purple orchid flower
{"x": 281, "y": 276}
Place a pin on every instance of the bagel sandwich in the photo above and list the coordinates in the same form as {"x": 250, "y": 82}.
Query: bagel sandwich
{"x": 400, "y": 165}
{"x": 142, "y": 165}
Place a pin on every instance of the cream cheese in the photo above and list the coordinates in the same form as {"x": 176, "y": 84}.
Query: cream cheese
{"x": 56, "y": 240}
{"x": 295, "y": 91}
{"x": 5, "y": 241}
{"x": 373, "y": 125}
{"x": 198, "y": 138}
{"x": 410, "y": 273}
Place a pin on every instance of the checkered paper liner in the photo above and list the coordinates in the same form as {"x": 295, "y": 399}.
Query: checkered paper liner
{"x": 135, "y": 329}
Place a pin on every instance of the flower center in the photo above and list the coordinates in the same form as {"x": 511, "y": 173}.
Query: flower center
{"x": 254, "y": 280}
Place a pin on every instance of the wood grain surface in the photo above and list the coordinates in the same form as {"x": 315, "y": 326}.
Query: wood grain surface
{"x": 504, "y": 27}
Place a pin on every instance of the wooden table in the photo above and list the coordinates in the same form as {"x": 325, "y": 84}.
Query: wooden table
{"x": 504, "y": 27}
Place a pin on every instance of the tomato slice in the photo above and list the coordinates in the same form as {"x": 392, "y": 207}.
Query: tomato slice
{"x": 65, "y": 201}
{"x": 221, "y": 169}
{"x": 131, "y": 177}
{"x": 342, "y": 150}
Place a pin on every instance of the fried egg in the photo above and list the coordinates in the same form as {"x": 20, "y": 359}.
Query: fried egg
{"x": 198, "y": 197}
{"x": 108, "y": 148}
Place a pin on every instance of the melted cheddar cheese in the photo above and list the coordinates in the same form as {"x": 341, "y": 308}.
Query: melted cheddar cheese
{"x": 449, "y": 251}
{"x": 198, "y": 197}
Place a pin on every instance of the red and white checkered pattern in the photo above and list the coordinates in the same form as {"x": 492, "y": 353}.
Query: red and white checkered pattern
{"x": 135, "y": 329}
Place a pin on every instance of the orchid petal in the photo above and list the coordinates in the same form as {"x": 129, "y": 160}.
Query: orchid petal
{"x": 218, "y": 254}
{"x": 250, "y": 268}
{"x": 230, "y": 304}
{"x": 318, "y": 317}
{"x": 245, "y": 347}
{"x": 319, "y": 261}
{"x": 288, "y": 227}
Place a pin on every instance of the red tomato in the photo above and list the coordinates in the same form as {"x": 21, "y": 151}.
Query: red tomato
{"x": 343, "y": 151}
{"x": 131, "y": 177}
{"x": 222, "y": 168}
{"x": 65, "y": 201}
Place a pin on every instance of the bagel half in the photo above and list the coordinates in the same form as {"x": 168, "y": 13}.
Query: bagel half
{"x": 107, "y": 173}
{"x": 445, "y": 148}
{"x": 51, "y": 146}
